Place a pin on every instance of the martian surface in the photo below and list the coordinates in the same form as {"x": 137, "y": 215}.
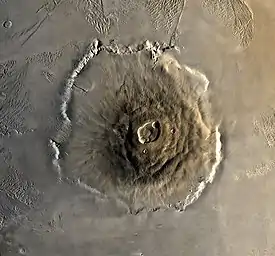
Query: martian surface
{"x": 137, "y": 128}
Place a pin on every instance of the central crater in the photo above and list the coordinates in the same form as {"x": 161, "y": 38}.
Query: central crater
{"x": 149, "y": 132}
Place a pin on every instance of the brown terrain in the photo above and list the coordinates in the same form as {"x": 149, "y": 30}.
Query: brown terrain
{"x": 137, "y": 127}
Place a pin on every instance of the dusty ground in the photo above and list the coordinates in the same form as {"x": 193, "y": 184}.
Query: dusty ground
{"x": 41, "y": 42}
